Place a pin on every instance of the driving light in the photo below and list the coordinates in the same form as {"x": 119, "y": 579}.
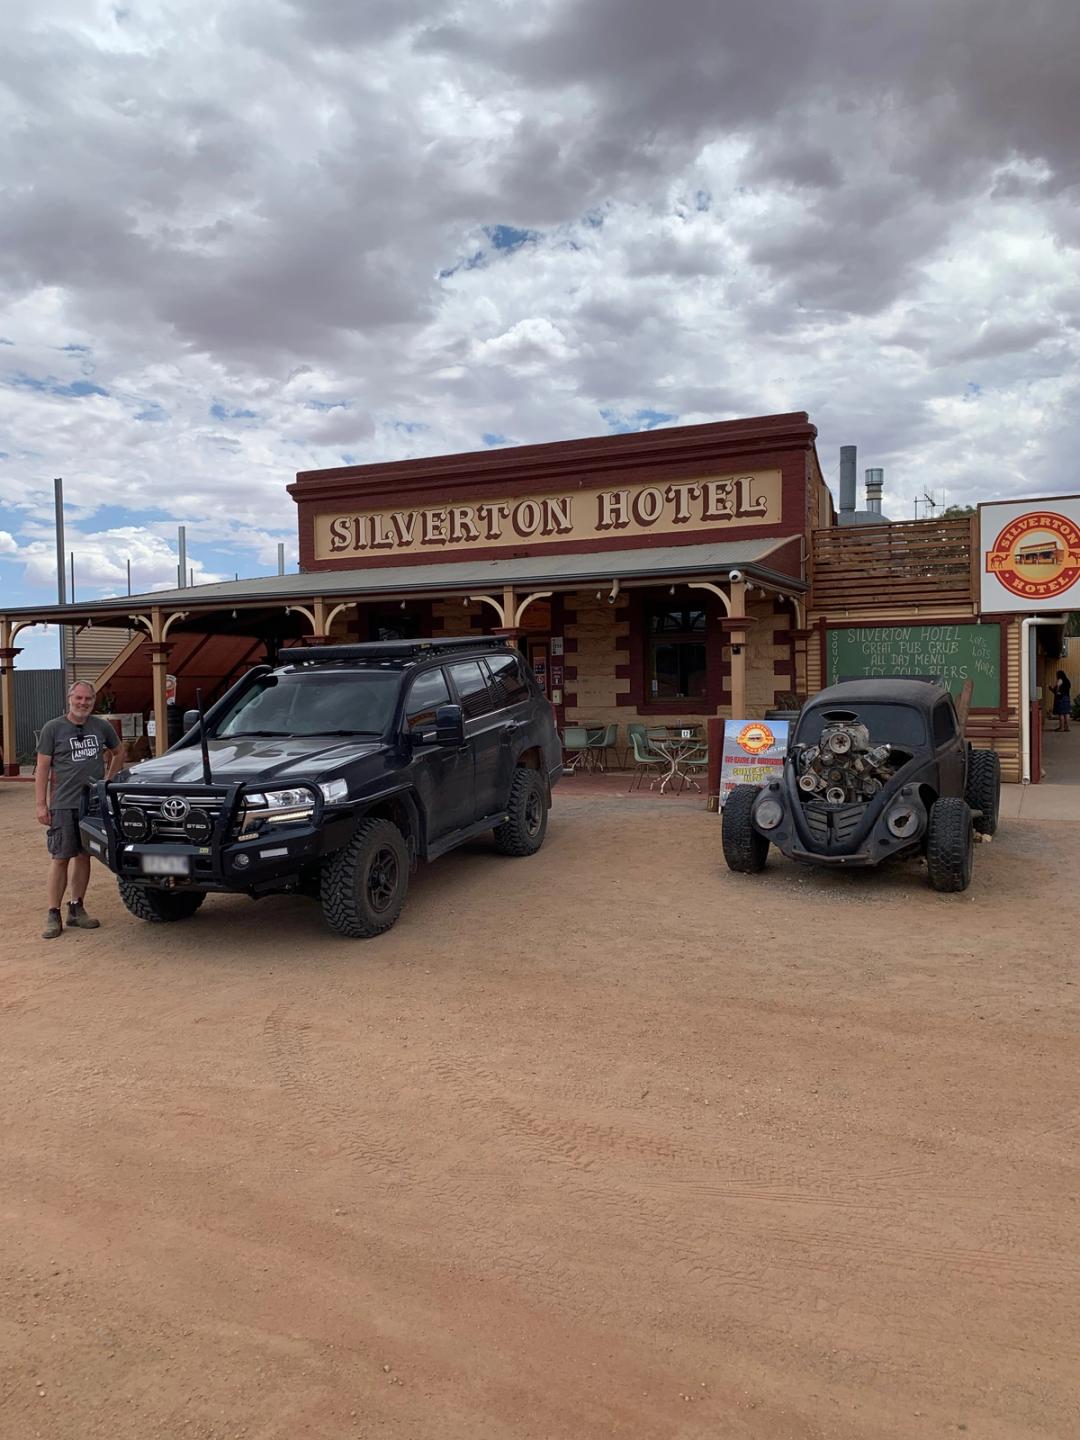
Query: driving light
{"x": 334, "y": 791}
{"x": 768, "y": 814}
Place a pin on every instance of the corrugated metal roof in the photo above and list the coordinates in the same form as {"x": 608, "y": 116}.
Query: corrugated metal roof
{"x": 461, "y": 575}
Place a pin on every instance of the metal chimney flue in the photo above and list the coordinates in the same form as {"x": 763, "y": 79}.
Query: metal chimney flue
{"x": 875, "y": 483}
{"x": 847, "y": 478}
{"x": 182, "y": 565}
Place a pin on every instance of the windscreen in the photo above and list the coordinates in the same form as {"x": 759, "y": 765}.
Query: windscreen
{"x": 901, "y": 725}
{"x": 314, "y": 702}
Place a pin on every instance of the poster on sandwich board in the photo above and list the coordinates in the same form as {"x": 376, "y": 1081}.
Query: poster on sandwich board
{"x": 753, "y": 753}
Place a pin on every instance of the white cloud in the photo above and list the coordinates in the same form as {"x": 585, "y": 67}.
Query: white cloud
{"x": 269, "y": 236}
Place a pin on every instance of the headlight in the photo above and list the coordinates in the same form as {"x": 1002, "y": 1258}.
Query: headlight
{"x": 276, "y": 807}
{"x": 335, "y": 790}
{"x": 768, "y": 814}
{"x": 295, "y": 799}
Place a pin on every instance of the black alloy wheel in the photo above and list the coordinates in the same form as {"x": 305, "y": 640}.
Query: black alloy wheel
{"x": 382, "y": 879}
{"x": 362, "y": 887}
{"x": 523, "y": 830}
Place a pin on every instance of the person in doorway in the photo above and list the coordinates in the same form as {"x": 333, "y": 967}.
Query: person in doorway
{"x": 1062, "y": 700}
{"x": 74, "y": 751}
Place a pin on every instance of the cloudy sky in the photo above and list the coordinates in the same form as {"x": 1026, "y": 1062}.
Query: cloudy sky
{"x": 243, "y": 239}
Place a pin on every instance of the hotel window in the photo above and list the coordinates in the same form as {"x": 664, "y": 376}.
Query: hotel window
{"x": 394, "y": 625}
{"x": 674, "y": 653}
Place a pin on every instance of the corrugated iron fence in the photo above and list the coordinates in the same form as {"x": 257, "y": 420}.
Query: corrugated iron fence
{"x": 39, "y": 695}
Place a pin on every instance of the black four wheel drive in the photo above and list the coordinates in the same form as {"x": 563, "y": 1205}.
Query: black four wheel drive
{"x": 876, "y": 770}
{"x": 334, "y": 774}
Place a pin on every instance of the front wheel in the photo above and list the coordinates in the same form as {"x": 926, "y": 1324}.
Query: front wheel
{"x": 950, "y": 842}
{"x": 363, "y": 886}
{"x": 744, "y": 849}
{"x": 160, "y": 907}
{"x": 523, "y": 830}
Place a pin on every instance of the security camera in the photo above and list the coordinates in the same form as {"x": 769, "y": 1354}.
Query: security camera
{"x": 735, "y": 575}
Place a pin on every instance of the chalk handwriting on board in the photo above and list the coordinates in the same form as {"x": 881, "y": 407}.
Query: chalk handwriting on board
{"x": 954, "y": 652}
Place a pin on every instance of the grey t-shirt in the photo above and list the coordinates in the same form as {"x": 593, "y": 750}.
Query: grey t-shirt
{"x": 77, "y": 753}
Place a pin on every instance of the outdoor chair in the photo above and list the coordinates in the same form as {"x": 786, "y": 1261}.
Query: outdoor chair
{"x": 575, "y": 743}
{"x": 694, "y": 764}
{"x": 646, "y": 761}
{"x": 600, "y": 742}
{"x": 641, "y": 731}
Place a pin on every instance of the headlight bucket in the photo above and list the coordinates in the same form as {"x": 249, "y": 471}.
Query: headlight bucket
{"x": 290, "y": 806}
{"x": 768, "y": 813}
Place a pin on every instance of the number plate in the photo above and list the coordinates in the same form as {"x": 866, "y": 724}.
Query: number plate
{"x": 166, "y": 865}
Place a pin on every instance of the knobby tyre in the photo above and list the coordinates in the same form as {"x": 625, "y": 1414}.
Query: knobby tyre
{"x": 160, "y": 907}
{"x": 983, "y": 791}
{"x": 523, "y": 831}
{"x": 363, "y": 886}
{"x": 949, "y": 844}
{"x": 744, "y": 849}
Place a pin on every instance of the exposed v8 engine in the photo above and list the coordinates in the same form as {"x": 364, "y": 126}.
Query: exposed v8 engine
{"x": 843, "y": 768}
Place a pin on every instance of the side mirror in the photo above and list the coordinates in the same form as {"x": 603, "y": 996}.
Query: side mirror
{"x": 191, "y": 719}
{"x": 449, "y": 725}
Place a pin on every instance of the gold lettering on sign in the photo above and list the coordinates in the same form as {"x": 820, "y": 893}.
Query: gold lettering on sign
{"x": 709, "y": 504}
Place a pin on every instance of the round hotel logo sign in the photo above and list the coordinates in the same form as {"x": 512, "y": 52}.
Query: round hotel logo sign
{"x": 1037, "y": 555}
{"x": 755, "y": 738}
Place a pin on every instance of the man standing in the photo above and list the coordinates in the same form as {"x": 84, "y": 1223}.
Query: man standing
{"x": 70, "y": 758}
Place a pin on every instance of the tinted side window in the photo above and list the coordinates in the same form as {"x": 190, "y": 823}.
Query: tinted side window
{"x": 427, "y": 694}
{"x": 472, "y": 689}
{"x": 507, "y": 680}
{"x": 944, "y": 729}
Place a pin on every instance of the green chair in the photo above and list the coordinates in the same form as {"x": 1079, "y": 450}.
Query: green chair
{"x": 600, "y": 742}
{"x": 641, "y": 731}
{"x": 696, "y": 763}
{"x": 646, "y": 760}
{"x": 575, "y": 743}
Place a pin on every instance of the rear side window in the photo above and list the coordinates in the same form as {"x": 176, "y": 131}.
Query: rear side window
{"x": 472, "y": 689}
{"x": 944, "y": 729}
{"x": 427, "y": 694}
{"x": 508, "y": 681}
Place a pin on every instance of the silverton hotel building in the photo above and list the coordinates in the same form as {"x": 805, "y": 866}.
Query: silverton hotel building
{"x": 656, "y": 576}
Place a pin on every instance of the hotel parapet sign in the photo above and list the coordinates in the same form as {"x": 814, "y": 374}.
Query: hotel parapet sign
{"x": 730, "y": 501}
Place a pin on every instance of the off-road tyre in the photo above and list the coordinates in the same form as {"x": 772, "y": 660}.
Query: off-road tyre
{"x": 523, "y": 830}
{"x": 363, "y": 886}
{"x": 744, "y": 849}
{"x": 983, "y": 789}
{"x": 160, "y": 907}
{"x": 950, "y": 841}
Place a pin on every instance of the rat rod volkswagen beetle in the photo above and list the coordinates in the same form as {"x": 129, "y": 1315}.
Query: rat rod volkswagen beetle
{"x": 876, "y": 770}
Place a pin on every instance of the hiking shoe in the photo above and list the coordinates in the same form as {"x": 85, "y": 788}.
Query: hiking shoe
{"x": 79, "y": 919}
{"x": 53, "y": 927}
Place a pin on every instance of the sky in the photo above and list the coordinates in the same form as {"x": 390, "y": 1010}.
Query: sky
{"x": 238, "y": 240}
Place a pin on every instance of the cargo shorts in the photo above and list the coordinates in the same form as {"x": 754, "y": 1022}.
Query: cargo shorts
{"x": 63, "y": 837}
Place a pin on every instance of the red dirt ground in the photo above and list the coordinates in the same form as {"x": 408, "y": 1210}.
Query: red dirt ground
{"x": 608, "y": 1142}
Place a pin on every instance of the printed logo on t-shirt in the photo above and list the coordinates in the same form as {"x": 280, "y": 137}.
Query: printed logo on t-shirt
{"x": 85, "y": 747}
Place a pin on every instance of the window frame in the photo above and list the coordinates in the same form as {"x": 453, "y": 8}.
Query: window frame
{"x": 476, "y": 660}
{"x": 684, "y": 637}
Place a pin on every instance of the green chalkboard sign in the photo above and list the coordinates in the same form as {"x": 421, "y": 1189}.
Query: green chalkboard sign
{"x": 953, "y": 652}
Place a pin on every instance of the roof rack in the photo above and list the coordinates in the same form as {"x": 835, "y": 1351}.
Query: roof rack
{"x": 383, "y": 650}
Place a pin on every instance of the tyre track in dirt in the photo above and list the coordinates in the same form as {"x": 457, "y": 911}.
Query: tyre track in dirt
{"x": 343, "y": 1131}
